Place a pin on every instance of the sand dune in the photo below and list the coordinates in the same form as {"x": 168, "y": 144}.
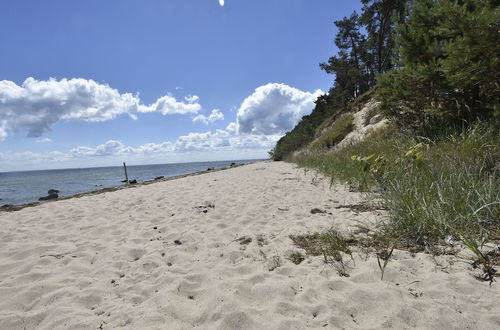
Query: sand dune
{"x": 210, "y": 252}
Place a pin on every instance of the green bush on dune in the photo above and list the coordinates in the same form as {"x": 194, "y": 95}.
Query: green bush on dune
{"x": 449, "y": 65}
{"x": 336, "y": 133}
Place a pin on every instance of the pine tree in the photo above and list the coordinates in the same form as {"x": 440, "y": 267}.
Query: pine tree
{"x": 348, "y": 65}
{"x": 363, "y": 55}
{"x": 449, "y": 64}
{"x": 379, "y": 18}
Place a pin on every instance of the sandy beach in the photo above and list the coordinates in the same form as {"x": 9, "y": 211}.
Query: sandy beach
{"x": 211, "y": 252}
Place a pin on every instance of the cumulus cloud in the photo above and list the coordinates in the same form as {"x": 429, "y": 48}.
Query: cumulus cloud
{"x": 232, "y": 128}
{"x": 210, "y": 141}
{"x": 207, "y": 141}
{"x": 3, "y": 133}
{"x": 168, "y": 105}
{"x": 213, "y": 117}
{"x": 155, "y": 148}
{"x": 36, "y": 105}
{"x": 249, "y": 141}
{"x": 221, "y": 3}
{"x": 210, "y": 145}
{"x": 202, "y": 141}
{"x": 274, "y": 109}
{"x": 112, "y": 147}
{"x": 191, "y": 98}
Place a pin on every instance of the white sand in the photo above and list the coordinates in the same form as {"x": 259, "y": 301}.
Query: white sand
{"x": 97, "y": 262}
{"x": 363, "y": 125}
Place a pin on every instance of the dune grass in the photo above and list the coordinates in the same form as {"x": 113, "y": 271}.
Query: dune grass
{"x": 340, "y": 128}
{"x": 330, "y": 245}
{"x": 434, "y": 189}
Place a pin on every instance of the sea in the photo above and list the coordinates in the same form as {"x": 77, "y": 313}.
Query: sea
{"x": 27, "y": 186}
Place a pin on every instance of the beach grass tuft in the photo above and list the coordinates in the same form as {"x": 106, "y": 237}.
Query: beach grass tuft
{"x": 433, "y": 188}
{"x": 331, "y": 245}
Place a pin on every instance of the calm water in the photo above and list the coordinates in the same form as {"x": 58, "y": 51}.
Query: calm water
{"x": 28, "y": 186}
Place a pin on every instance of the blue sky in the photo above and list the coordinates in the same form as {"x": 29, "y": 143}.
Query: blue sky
{"x": 93, "y": 83}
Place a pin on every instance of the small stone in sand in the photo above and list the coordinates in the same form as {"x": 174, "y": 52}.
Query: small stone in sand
{"x": 316, "y": 210}
{"x": 178, "y": 242}
{"x": 244, "y": 240}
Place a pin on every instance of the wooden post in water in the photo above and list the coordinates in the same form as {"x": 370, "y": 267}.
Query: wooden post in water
{"x": 126, "y": 175}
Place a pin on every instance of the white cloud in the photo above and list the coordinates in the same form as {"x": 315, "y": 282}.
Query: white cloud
{"x": 250, "y": 141}
{"x": 36, "y": 105}
{"x": 3, "y": 133}
{"x": 168, "y": 105}
{"x": 20, "y": 160}
{"x": 44, "y": 140}
{"x": 261, "y": 120}
{"x": 274, "y": 109}
{"x": 112, "y": 147}
{"x": 191, "y": 98}
{"x": 232, "y": 128}
{"x": 214, "y": 116}
{"x": 210, "y": 145}
{"x": 202, "y": 141}
{"x": 221, "y": 3}
{"x": 153, "y": 148}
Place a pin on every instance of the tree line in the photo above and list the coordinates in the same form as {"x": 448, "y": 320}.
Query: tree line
{"x": 433, "y": 64}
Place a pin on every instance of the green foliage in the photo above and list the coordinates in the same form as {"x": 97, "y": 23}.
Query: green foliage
{"x": 482, "y": 258}
{"x": 432, "y": 188}
{"x": 365, "y": 44}
{"x": 340, "y": 128}
{"x": 339, "y": 164}
{"x": 384, "y": 255}
{"x": 304, "y": 132}
{"x": 449, "y": 65}
{"x": 371, "y": 165}
{"x": 348, "y": 65}
{"x": 379, "y": 18}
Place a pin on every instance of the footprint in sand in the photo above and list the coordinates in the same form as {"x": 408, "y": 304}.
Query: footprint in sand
{"x": 136, "y": 254}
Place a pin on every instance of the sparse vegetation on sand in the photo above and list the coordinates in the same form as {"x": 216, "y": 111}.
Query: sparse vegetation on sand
{"x": 331, "y": 245}
{"x": 433, "y": 66}
{"x": 435, "y": 190}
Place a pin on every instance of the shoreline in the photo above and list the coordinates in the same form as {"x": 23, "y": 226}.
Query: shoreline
{"x": 17, "y": 207}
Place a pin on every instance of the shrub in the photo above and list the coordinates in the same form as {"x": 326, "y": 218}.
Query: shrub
{"x": 340, "y": 128}
{"x": 449, "y": 67}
